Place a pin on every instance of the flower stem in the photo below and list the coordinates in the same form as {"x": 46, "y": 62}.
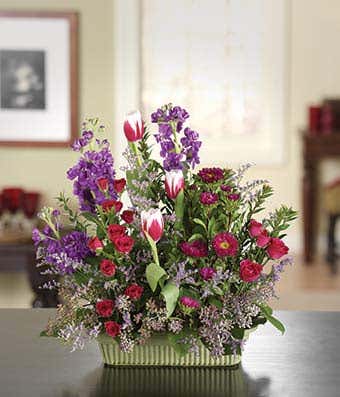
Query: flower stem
{"x": 135, "y": 150}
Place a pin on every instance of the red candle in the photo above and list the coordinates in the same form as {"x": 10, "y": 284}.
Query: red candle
{"x": 12, "y": 199}
{"x": 30, "y": 203}
{"x": 314, "y": 119}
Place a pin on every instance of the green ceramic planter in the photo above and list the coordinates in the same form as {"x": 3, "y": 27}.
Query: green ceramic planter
{"x": 158, "y": 352}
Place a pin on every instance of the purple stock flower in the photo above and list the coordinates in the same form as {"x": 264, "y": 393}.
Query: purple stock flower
{"x": 191, "y": 146}
{"x": 85, "y": 174}
{"x": 80, "y": 143}
{"x": 170, "y": 122}
{"x": 75, "y": 245}
{"x": 65, "y": 254}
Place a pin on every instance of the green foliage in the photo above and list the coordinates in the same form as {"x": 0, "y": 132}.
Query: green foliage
{"x": 171, "y": 293}
{"x": 154, "y": 273}
{"x": 176, "y": 341}
{"x": 281, "y": 219}
{"x": 261, "y": 196}
{"x": 73, "y": 216}
{"x": 80, "y": 277}
{"x": 267, "y": 313}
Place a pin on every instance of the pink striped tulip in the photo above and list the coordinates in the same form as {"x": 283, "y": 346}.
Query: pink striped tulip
{"x": 174, "y": 183}
{"x": 133, "y": 126}
{"x": 152, "y": 224}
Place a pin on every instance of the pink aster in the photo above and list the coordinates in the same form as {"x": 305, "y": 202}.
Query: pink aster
{"x": 208, "y": 198}
{"x": 189, "y": 302}
{"x": 210, "y": 175}
{"x": 207, "y": 273}
{"x": 225, "y": 244}
{"x": 196, "y": 249}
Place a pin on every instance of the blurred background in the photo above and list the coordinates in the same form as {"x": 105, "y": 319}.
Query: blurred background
{"x": 260, "y": 79}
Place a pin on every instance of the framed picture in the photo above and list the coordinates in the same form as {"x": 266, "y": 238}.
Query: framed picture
{"x": 38, "y": 78}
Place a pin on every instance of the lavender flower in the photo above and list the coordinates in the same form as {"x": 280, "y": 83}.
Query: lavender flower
{"x": 181, "y": 275}
{"x": 280, "y": 267}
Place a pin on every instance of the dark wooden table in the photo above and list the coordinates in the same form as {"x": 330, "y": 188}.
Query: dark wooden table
{"x": 315, "y": 148}
{"x": 305, "y": 362}
{"x": 20, "y": 257}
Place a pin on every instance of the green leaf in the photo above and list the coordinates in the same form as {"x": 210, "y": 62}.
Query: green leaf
{"x": 200, "y": 222}
{"x": 196, "y": 236}
{"x": 90, "y": 217}
{"x": 238, "y": 333}
{"x": 276, "y": 323}
{"x": 180, "y": 348}
{"x": 211, "y": 226}
{"x": 153, "y": 274}
{"x": 81, "y": 277}
{"x": 170, "y": 292}
{"x": 216, "y": 302}
{"x": 93, "y": 260}
{"x": 267, "y": 313}
{"x": 266, "y": 310}
{"x": 43, "y": 333}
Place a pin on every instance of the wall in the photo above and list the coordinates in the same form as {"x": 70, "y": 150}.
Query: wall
{"x": 314, "y": 74}
{"x": 314, "y": 65}
{"x": 44, "y": 169}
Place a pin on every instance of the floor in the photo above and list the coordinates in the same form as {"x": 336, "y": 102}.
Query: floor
{"x": 302, "y": 287}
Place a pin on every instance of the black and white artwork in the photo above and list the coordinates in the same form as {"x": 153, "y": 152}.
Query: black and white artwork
{"x": 22, "y": 79}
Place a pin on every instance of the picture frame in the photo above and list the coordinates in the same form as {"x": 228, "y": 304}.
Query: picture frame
{"x": 38, "y": 78}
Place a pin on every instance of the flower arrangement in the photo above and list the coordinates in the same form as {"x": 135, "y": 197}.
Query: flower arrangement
{"x": 183, "y": 255}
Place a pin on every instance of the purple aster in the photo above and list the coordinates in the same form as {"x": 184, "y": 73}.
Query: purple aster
{"x": 85, "y": 174}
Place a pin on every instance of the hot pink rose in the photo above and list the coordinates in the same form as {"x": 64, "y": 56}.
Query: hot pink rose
{"x": 262, "y": 239}
{"x": 119, "y": 185}
{"x": 250, "y": 271}
{"x": 276, "y": 248}
{"x": 109, "y": 204}
{"x": 115, "y": 231}
{"x": 105, "y": 307}
{"x": 134, "y": 291}
{"x": 124, "y": 244}
{"x": 95, "y": 244}
{"x": 128, "y": 216}
{"x": 195, "y": 249}
{"x": 107, "y": 267}
{"x": 255, "y": 228}
{"x": 103, "y": 184}
{"x": 112, "y": 328}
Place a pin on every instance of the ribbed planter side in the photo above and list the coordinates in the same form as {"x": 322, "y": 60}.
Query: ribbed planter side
{"x": 158, "y": 352}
